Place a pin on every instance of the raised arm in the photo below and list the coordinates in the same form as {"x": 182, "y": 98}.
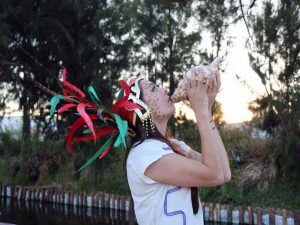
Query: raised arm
{"x": 175, "y": 169}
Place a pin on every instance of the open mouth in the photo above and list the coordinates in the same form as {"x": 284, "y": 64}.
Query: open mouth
{"x": 170, "y": 99}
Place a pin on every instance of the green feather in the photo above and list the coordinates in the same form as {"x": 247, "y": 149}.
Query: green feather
{"x": 122, "y": 126}
{"x": 93, "y": 95}
{"x": 87, "y": 131}
{"x": 98, "y": 153}
{"x": 54, "y": 101}
{"x": 73, "y": 100}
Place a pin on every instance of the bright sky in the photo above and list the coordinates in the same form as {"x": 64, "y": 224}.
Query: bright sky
{"x": 233, "y": 96}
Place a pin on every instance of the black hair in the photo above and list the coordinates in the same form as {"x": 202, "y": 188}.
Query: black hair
{"x": 140, "y": 137}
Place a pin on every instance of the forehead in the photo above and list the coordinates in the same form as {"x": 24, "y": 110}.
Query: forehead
{"x": 145, "y": 84}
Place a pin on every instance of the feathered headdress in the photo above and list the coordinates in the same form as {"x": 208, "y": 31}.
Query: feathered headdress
{"x": 93, "y": 121}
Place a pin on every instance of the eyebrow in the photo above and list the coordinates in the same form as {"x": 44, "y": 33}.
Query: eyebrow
{"x": 151, "y": 84}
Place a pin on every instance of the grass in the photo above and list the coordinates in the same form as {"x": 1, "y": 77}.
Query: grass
{"x": 282, "y": 195}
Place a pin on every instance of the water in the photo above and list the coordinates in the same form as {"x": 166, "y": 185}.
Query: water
{"x": 35, "y": 213}
{"x": 20, "y": 212}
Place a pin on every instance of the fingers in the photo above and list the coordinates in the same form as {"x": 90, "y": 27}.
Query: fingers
{"x": 197, "y": 79}
{"x": 218, "y": 80}
{"x": 186, "y": 80}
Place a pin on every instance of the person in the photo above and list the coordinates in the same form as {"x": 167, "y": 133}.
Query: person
{"x": 164, "y": 173}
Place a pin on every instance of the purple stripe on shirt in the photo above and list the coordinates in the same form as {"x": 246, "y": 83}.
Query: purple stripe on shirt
{"x": 167, "y": 148}
{"x": 174, "y": 213}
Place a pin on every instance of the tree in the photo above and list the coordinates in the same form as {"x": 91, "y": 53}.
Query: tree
{"x": 163, "y": 47}
{"x": 215, "y": 17}
{"x": 274, "y": 56}
{"x": 38, "y": 38}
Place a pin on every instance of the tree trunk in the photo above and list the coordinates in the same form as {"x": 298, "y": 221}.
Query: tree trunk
{"x": 26, "y": 126}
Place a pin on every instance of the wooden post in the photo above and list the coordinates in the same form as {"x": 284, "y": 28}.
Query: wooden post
{"x": 241, "y": 214}
{"x": 203, "y": 209}
{"x": 62, "y": 197}
{"x": 27, "y": 194}
{"x": 89, "y": 200}
{"x": 101, "y": 200}
{"x": 128, "y": 203}
{"x": 106, "y": 200}
{"x": 250, "y": 215}
{"x": 211, "y": 211}
{"x": 14, "y": 192}
{"x": 36, "y": 194}
{"x": 84, "y": 199}
{"x": 296, "y": 217}
{"x": 42, "y": 195}
{"x": 122, "y": 203}
{"x": 21, "y": 193}
{"x": 118, "y": 202}
{"x": 217, "y": 207}
{"x": 31, "y": 191}
{"x": 229, "y": 213}
{"x": 284, "y": 217}
{"x": 271, "y": 216}
{"x": 96, "y": 196}
{"x": 112, "y": 202}
{"x": 75, "y": 199}
{"x": 54, "y": 196}
{"x": 259, "y": 216}
{"x": 8, "y": 191}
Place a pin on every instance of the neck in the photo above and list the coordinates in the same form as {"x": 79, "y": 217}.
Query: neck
{"x": 161, "y": 125}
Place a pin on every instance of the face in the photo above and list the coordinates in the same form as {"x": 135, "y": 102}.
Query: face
{"x": 157, "y": 99}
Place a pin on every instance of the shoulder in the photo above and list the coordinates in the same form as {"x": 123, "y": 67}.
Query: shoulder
{"x": 150, "y": 145}
{"x": 148, "y": 150}
{"x": 146, "y": 153}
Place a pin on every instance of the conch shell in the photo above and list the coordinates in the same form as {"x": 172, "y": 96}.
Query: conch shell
{"x": 180, "y": 92}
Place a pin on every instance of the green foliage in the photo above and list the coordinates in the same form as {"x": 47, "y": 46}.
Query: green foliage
{"x": 274, "y": 56}
{"x": 187, "y": 130}
{"x": 9, "y": 138}
{"x": 278, "y": 195}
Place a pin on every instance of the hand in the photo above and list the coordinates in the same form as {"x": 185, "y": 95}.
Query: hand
{"x": 197, "y": 90}
{"x": 214, "y": 86}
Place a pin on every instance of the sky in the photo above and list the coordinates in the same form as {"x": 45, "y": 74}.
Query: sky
{"x": 234, "y": 96}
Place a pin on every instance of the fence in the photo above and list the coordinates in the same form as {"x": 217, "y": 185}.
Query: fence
{"x": 213, "y": 212}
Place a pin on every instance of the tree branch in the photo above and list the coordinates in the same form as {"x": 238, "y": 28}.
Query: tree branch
{"x": 244, "y": 18}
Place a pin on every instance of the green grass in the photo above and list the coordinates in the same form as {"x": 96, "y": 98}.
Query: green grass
{"x": 278, "y": 195}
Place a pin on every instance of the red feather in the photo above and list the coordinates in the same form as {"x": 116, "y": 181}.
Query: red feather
{"x": 85, "y": 116}
{"x": 66, "y": 107}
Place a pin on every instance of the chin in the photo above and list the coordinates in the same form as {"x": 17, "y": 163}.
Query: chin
{"x": 171, "y": 110}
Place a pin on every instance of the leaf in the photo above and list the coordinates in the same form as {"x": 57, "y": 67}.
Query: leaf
{"x": 54, "y": 102}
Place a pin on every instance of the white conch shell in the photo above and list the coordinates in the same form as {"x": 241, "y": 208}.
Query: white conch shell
{"x": 180, "y": 92}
